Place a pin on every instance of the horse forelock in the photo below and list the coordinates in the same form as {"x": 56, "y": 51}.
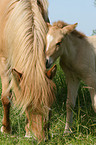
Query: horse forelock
{"x": 25, "y": 40}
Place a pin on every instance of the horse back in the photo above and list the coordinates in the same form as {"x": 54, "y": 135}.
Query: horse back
{"x": 92, "y": 40}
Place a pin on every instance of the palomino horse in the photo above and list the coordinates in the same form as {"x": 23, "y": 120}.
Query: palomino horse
{"x": 77, "y": 59}
{"x": 22, "y": 63}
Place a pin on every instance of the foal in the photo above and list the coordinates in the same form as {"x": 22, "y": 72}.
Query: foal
{"x": 77, "y": 59}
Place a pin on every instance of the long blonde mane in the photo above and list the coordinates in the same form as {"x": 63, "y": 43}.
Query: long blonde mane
{"x": 25, "y": 33}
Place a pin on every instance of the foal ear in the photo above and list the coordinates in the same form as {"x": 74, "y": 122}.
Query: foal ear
{"x": 68, "y": 29}
{"x": 17, "y": 75}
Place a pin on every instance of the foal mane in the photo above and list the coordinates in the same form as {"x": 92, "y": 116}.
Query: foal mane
{"x": 61, "y": 24}
{"x": 25, "y": 33}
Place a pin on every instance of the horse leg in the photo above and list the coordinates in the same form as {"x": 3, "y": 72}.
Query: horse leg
{"x": 27, "y": 127}
{"x": 5, "y": 101}
{"x": 72, "y": 89}
{"x": 35, "y": 126}
{"x": 6, "y": 121}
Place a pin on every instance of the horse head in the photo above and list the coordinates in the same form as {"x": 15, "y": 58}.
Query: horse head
{"x": 55, "y": 38}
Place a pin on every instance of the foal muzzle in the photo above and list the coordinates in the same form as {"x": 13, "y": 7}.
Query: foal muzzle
{"x": 49, "y": 62}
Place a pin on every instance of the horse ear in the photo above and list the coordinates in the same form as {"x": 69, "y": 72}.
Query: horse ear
{"x": 48, "y": 25}
{"x": 17, "y": 75}
{"x": 68, "y": 29}
{"x": 51, "y": 73}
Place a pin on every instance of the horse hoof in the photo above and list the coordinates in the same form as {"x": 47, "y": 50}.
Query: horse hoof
{"x": 4, "y": 130}
{"x": 67, "y": 132}
{"x": 28, "y": 136}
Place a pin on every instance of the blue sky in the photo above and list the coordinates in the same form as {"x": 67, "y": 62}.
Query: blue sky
{"x": 71, "y": 11}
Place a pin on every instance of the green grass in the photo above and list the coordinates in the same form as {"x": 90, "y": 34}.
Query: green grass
{"x": 84, "y": 120}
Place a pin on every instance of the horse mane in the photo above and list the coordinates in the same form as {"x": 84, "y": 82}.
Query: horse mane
{"x": 61, "y": 24}
{"x": 43, "y": 4}
{"x": 25, "y": 33}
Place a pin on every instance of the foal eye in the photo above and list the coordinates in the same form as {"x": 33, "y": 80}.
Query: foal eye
{"x": 58, "y": 44}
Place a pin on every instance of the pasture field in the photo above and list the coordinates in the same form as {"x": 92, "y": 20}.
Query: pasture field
{"x": 84, "y": 120}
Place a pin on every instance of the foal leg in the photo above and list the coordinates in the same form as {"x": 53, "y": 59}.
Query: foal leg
{"x": 5, "y": 101}
{"x": 72, "y": 89}
{"x": 93, "y": 98}
{"x": 90, "y": 80}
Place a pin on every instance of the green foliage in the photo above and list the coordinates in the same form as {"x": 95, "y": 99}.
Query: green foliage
{"x": 94, "y": 32}
{"x": 84, "y": 119}
{"x": 95, "y": 2}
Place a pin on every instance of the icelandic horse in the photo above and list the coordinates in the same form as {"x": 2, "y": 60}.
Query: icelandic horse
{"x": 77, "y": 54}
{"x": 23, "y": 31}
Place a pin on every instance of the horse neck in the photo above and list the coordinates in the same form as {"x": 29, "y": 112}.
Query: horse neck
{"x": 70, "y": 46}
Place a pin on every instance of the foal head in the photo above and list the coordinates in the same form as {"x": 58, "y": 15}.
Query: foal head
{"x": 54, "y": 38}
